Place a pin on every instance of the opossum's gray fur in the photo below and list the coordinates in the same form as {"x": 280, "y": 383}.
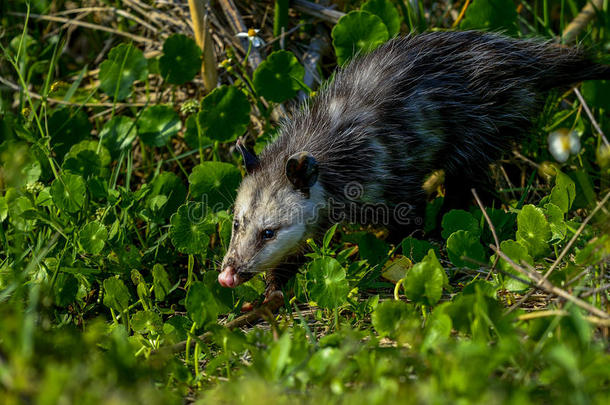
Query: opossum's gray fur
{"x": 441, "y": 100}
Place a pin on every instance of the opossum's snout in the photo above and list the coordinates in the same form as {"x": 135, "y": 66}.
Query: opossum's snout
{"x": 272, "y": 220}
{"x": 231, "y": 278}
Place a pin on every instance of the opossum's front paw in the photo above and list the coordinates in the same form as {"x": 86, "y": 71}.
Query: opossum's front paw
{"x": 273, "y": 295}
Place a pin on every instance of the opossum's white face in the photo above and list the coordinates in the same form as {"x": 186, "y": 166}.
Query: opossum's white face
{"x": 271, "y": 221}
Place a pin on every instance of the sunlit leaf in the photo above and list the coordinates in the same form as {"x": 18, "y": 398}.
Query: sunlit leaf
{"x": 215, "y": 184}
{"x": 92, "y": 237}
{"x": 385, "y": 10}
{"x": 326, "y": 282}
{"x": 357, "y": 32}
{"x": 69, "y": 192}
{"x": 158, "y": 124}
{"x": 279, "y": 77}
{"x": 463, "y": 244}
{"x": 224, "y": 115}
{"x": 125, "y": 64}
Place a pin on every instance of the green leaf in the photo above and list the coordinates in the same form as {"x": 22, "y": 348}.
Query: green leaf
{"x": 65, "y": 289}
{"x": 214, "y": 183}
{"x": 3, "y": 208}
{"x": 465, "y": 244}
{"x": 116, "y": 294}
{"x": 181, "y": 59}
{"x": 424, "y": 282}
{"x": 125, "y": 64}
{"x": 597, "y": 93}
{"x": 92, "y": 237}
{"x": 554, "y": 216}
{"x": 193, "y": 136}
{"x": 491, "y": 15}
{"x": 224, "y": 115}
{"x": 158, "y": 124}
{"x": 594, "y": 252}
{"x": 326, "y": 282}
{"x": 388, "y": 315}
{"x": 370, "y": 248}
{"x": 357, "y": 32}
{"x": 67, "y": 129}
{"x": 161, "y": 284}
{"x": 190, "y": 228}
{"x": 69, "y": 192}
{"x": 118, "y": 134}
{"x": 564, "y": 192}
{"x": 86, "y": 158}
{"x": 167, "y": 185}
{"x": 279, "y": 77}
{"x": 438, "y": 329}
{"x": 328, "y": 236}
{"x": 533, "y": 230}
{"x": 201, "y": 306}
{"x": 146, "y": 321}
{"x": 456, "y": 220}
{"x": 415, "y": 249}
{"x": 385, "y": 10}
{"x": 516, "y": 252}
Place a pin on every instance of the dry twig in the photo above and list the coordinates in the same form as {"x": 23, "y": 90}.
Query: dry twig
{"x": 547, "y": 286}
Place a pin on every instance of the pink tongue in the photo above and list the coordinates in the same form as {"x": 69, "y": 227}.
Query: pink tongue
{"x": 228, "y": 278}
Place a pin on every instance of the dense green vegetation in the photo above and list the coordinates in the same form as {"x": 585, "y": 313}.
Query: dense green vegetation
{"x": 117, "y": 174}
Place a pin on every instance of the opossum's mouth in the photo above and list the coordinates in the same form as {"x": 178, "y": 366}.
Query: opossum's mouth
{"x": 231, "y": 278}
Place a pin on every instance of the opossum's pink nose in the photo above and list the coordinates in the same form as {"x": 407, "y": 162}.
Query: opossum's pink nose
{"x": 228, "y": 277}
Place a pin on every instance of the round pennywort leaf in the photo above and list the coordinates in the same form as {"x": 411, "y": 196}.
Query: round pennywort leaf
{"x": 92, "y": 237}
{"x": 69, "y": 192}
{"x": 125, "y": 65}
{"x": 462, "y": 244}
{"x": 326, "y": 282}
{"x": 224, "y": 115}
{"x": 279, "y": 77}
{"x": 357, "y": 31}
{"x": 533, "y": 230}
{"x": 157, "y": 124}
{"x": 385, "y": 10}
{"x": 190, "y": 228}
{"x": 214, "y": 183}
{"x": 181, "y": 59}
{"x": 118, "y": 134}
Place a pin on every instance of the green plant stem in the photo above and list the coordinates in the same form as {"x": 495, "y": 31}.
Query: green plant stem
{"x": 189, "y": 338}
{"x": 280, "y": 20}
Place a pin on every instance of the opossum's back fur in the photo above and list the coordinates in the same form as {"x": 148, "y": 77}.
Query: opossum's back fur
{"x": 442, "y": 100}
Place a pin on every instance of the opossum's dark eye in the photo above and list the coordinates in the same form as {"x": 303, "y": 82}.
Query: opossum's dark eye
{"x": 268, "y": 234}
{"x": 235, "y": 225}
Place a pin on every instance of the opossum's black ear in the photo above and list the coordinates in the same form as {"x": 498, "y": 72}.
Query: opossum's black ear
{"x": 250, "y": 159}
{"x": 302, "y": 171}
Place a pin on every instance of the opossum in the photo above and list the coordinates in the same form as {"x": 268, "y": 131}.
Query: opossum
{"x": 362, "y": 148}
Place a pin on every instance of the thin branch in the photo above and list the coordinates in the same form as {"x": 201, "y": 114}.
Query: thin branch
{"x": 491, "y": 227}
{"x": 316, "y": 10}
{"x": 547, "y": 286}
{"x": 37, "y": 96}
{"x": 579, "y": 22}
{"x": 566, "y": 249}
{"x": 560, "y": 312}
{"x": 590, "y": 115}
{"x": 563, "y": 252}
{"x": 276, "y": 300}
{"x": 133, "y": 37}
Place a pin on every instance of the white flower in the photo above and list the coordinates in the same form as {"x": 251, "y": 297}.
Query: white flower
{"x": 563, "y": 143}
{"x": 252, "y": 37}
